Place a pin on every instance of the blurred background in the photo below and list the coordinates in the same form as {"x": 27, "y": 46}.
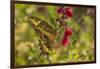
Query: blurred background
{"x": 27, "y": 43}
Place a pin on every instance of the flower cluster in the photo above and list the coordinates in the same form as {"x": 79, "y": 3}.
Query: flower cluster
{"x": 66, "y": 13}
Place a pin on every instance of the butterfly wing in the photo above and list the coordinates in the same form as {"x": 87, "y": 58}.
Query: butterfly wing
{"x": 41, "y": 25}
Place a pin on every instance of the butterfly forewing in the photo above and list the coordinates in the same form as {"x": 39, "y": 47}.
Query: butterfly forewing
{"x": 44, "y": 27}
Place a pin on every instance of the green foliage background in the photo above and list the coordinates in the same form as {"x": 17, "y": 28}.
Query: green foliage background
{"x": 26, "y": 41}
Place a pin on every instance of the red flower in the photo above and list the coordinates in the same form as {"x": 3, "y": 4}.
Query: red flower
{"x": 67, "y": 33}
{"x": 60, "y": 10}
{"x": 65, "y": 41}
{"x": 68, "y": 12}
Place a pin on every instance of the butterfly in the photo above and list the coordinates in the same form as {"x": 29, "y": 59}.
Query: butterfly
{"x": 45, "y": 33}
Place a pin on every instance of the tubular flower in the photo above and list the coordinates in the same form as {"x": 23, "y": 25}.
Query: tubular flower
{"x": 60, "y": 10}
{"x": 68, "y": 12}
{"x": 65, "y": 40}
{"x": 68, "y": 32}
